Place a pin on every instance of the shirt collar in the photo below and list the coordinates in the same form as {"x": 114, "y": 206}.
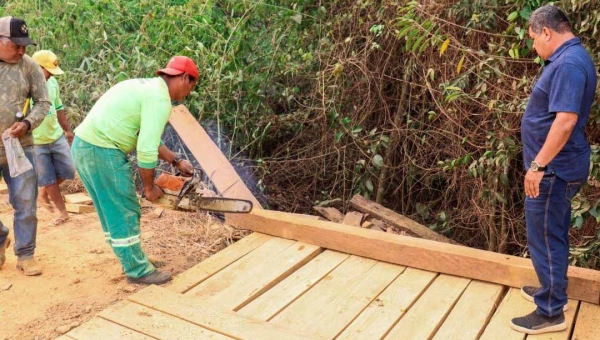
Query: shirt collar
{"x": 562, "y": 48}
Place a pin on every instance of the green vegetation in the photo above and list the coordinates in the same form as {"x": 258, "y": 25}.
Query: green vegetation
{"x": 413, "y": 104}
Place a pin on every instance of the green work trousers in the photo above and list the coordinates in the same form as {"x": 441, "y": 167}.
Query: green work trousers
{"x": 106, "y": 174}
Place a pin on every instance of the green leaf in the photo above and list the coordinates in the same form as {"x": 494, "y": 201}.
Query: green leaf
{"x": 338, "y": 136}
{"x": 378, "y": 161}
{"x": 513, "y": 16}
{"x": 369, "y": 185}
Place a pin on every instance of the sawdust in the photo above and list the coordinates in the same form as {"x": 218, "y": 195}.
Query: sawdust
{"x": 81, "y": 274}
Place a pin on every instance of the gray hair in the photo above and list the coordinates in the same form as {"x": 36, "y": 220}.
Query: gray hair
{"x": 550, "y": 17}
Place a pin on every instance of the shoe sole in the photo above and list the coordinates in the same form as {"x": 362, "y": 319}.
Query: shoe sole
{"x": 150, "y": 283}
{"x": 530, "y": 298}
{"x": 556, "y": 328}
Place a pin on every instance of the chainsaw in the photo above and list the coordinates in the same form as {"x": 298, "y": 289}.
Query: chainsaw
{"x": 190, "y": 194}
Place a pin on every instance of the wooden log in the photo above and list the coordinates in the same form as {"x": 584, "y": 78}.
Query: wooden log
{"x": 353, "y": 218}
{"x": 330, "y": 213}
{"x": 79, "y": 208}
{"x": 584, "y": 284}
{"x": 214, "y": 163}
{"x": 78, "y": 198}
{"x": 362, "y": 204}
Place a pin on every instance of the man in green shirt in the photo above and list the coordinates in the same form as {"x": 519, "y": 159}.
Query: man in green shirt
{"x": 130, "y": 115}
{"x": 51, "y": 142}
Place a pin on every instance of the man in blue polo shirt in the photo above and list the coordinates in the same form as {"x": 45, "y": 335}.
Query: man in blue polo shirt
{"x": 557, "y": 159}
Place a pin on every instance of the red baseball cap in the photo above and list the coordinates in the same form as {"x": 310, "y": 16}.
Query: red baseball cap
{"x": 178, "y": 65}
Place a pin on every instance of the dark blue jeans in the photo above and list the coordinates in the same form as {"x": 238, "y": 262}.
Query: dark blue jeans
{"x": 22, "y": 194}
{"x": 548, "y": 218}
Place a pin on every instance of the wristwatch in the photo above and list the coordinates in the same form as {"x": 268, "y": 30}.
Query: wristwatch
{"x": 535, "y": 166}
{"x": 176, "y": 160}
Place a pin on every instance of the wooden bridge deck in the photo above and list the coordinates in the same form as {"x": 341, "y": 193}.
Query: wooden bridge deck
{"x": 266, "y": 287}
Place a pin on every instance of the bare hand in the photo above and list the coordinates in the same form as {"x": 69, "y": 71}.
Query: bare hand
{"x": 532, "y": 183}
{"x": 186, "y": 168}
{"x": 69, "y": 136}
{"x": 18, "y": 130}
{"x": 153, "y": 193}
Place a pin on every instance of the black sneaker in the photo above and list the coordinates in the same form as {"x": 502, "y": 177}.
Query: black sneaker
{"x": 533, "y": 323}
{"x": 157, "y": 277}
{"x": 527, "y": 292}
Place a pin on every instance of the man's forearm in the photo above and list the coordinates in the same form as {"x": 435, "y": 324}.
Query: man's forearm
{"x": 147, "y": 176}
{"x": 63, "y": 121}
{"x": 559, "y": 134}
{"x": 165, "y": 154}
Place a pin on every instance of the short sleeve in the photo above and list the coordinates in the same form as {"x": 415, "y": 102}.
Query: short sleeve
{"x": 568, "y": 88}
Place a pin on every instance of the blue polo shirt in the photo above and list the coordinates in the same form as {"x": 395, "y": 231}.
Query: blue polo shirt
{"x": 567, "y": 84}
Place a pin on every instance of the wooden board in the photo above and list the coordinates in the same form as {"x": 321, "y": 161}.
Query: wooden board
{"x": 227, "y": 323}
{"x": 424, "y": 318}
{"x": 340, "y": 298}
{"x": 353, "y": 218}
{"x": 212, "y": 265}
{"x": 513, "y": 305}
{"x": 263, "y": 276}
{"x": 156, "y": 324}
{"x": 79, "y": 208}
{"x": 100, "y": 329}
{"x": 78, "y": 198}
{"x": 588, "y": 320}
{"x": 379, "y": 317}
{"x": 216, "y": 166}
{"x": 330, "y": 213}
{"x": 229, "y": 276}
{"x": 277, "y": 298}
{"x": 564, "y": 335}
{"x": 472, "y": 312}
{"x": 584, "y": 284}
{"x": 377, "y": 210}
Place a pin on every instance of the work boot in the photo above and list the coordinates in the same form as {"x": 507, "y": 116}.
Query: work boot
{"x": 157, "y": 277}
{"x": 3, "y": 247}
{"x": 29, "y": 267}
{"x": 533, "y": 323}
{"x": 528, "y": 292}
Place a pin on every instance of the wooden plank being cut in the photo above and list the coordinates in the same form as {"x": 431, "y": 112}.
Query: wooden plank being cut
{"x": 566, "y": 334}
{"x": 64, "y": 337}
{"x": 472, "y": 312}
{"x": 353, "y": 218}
{"x": 212, "y": 265}
{"x": 377, "y": 210}
{"x": 424, "y": 318}
{"x": 100, "y": 329}
{"x": 226, "y": 323}
{"x": 155, "y": 323}
{"x": 216, "y": 166}
{"x": 262, "y": 276}
{"x": 584, "y": 284}
{"x": 228, "y": 276}
{"x": 588, "y": 320}
{"x": 330, "y": 213}
{"x": 79, "y": 208}
{"x": 78, "y": 198}
{"x": 287, "y": 291}
{"x": 332, "y": 304}
{"x": 383, "y": 313}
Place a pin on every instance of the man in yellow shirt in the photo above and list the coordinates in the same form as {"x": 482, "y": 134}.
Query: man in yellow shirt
{"x": 51, "y": 142}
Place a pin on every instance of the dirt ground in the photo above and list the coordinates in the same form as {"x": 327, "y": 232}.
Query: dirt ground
{"x": 81, "y": 274}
